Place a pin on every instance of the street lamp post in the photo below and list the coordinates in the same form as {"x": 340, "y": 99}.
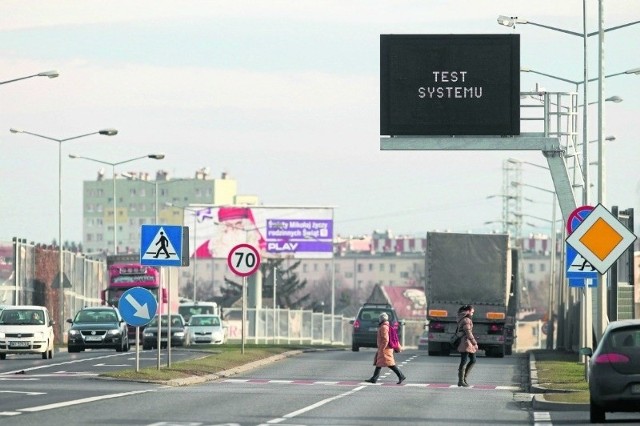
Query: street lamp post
{"x": 511, "y": 22}
{"x": 105, "y": 132}
{"x": 113, "y": 170}
{"x": 50, "y": 74}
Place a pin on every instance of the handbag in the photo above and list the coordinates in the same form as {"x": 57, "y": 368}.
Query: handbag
{"x": 456, "y": 338}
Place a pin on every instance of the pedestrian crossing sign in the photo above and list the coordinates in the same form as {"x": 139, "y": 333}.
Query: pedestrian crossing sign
{"x": 162, "y": 245}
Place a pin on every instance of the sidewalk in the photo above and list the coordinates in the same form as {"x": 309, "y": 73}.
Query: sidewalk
{"x": 539, "y": 401}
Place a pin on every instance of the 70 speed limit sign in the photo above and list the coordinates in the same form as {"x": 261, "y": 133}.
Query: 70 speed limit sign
{"x": 243, "y": 260}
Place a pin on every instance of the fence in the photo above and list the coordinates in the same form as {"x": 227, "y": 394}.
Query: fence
{"x": 28, "y": 276}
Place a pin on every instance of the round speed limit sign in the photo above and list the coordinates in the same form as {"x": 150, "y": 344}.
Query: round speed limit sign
{"x": 243, "y": 260}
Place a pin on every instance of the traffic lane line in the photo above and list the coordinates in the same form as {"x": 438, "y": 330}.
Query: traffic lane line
{"x": 80, "y": 401}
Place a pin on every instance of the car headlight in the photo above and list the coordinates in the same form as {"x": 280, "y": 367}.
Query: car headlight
{"x": 73, "y": 332}
{"x": 2, "y": 335}
{"x": 178, "y": 334}
{"x": 115, "y": 332}
{"x": 39, "y": 335}
{"x": 148, "y": 334}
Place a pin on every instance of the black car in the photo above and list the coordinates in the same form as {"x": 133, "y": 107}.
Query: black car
{"x": 365, "y": 325}
{"x": 614, "y": 370}
{"x": 99, "y": 327}
{"x": 178, "y": 332}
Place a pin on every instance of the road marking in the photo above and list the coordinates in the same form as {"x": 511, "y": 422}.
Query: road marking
{"x": 362, "y": 383}
{"x": 313, "y": 406}
{"x": 75, "y": 361}
{"x": 111, "y": 365}
{"x": 9, "y": 413}
{"x": 81, "y": 401}
{"x": 541, "y": 418}
{"x": 24, "y": 393}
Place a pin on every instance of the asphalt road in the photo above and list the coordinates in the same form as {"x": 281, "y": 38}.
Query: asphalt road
{"x": 313, "y": 388}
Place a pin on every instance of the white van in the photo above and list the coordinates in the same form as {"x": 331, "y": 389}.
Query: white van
{"x": 26, "y": 329}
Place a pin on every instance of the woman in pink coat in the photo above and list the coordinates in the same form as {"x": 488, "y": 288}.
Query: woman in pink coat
{"x": 468, "y": 345}
{"x": 384, "y": 354}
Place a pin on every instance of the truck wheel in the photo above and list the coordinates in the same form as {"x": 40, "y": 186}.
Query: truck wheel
{"x": 355, "y": 348}
{"x": 508, "y": 350}
{"x": 3, "y": 356}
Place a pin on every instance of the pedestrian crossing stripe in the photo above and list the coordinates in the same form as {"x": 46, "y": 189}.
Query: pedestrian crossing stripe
{"x": 161, "y": 245}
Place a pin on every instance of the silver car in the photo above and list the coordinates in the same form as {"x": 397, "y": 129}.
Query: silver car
{"x": 614, "y": 370}
{"x": 207, "y": 329}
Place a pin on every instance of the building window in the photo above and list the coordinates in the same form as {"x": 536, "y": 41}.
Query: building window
{"x": 404, "y": 274}
{"x": 532, "y": 268}
{"x": 337, "y": 267}
{"x": 542, "y": 267}
{"x": 132, "y": 192}
{"x": 392, "y": 268}
{"x": 359, "y": 267}
{"x": 348, "y": 274}
{"x": 382, "y": 267}
{"x": 304, "y": 267}
{"x": 89, "y": 238}
{"x": 371, "y": 267}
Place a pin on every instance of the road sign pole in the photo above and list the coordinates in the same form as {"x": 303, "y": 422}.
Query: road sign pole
{"x": 244, "y": 310}
{"x": 159, "y": 313}
{"x": 137, "y": 349}
{"x": 168, "y": 321}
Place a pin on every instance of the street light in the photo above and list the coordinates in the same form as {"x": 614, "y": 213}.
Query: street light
{"x": 105, "y": 132}
{"x": 50, "y": 74}
{"x": 113, "y": 169}
{"x": 511, "y": 22}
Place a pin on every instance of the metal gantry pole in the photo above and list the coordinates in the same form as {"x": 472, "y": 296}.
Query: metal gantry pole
{"x": 115, "y": 213}
{"x": 61, "y": 258}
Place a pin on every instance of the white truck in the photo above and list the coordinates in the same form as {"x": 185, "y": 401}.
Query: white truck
{"x": 469, "y": 269}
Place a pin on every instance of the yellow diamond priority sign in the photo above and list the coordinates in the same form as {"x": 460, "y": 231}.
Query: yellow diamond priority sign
{"x": 601, "y": 239}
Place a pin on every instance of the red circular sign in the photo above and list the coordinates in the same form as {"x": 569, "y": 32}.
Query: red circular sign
{"x": 577, "y": 217}
{"x": 243, "y": 260}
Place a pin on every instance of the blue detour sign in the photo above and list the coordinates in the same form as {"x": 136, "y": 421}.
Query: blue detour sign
{"x": 137, "y": 306}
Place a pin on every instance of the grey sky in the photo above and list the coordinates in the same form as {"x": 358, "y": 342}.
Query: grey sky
{"x": 282, "y": 95}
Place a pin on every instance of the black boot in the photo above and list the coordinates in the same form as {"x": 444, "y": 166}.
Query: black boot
{"x": 461, "y": 381}
{"x": 466, "y": 373}
{"x": 401, "y": 377}
{"x": 374, "y": 378}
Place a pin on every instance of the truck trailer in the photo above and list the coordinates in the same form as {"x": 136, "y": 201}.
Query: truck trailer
{"x": 473, "y": 269}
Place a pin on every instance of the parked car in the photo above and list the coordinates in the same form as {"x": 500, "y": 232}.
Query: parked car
{"x": 98, "y": 327}
{"x": 178, "y": 332}
{"x": 423, "y": 340}
{"x": 365, "y": 325}
{"x": 205, "y": 328}
{"x": 26, "y": 329}
{"x": 614, "y": 370}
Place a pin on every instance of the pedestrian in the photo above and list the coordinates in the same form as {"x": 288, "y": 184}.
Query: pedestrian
{"x": 384, "y": 354}
{"x": 468, "y": 345}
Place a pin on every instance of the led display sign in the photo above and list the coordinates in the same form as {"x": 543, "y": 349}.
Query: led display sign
{"x": 450, "y": 84}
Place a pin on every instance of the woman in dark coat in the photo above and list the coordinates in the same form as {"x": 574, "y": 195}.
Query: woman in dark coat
{"x": 384, "y": 355}
{"x": 468, "y": 345}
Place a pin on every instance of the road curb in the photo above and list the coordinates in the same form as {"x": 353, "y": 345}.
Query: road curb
{"x": 539, "y": 402}
{"x": 185, "y": 381}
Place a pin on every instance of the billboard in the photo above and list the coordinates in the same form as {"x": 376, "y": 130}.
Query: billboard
{"x": 450, "y": 84}
{"x": 290, "y": 232}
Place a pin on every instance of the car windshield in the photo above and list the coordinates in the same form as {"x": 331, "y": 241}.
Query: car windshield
{"x": 176, "y": 321}
{"x": 22, "y": 317}
{"x": 209, "y": 320}
{"x": 96, "y": 316}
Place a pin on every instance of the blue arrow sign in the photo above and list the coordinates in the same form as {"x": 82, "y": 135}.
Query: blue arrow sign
{"x": 137, "y": 306}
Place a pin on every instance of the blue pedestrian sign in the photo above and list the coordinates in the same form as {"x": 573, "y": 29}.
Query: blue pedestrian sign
{"x": 137, "y": 306}
{"x": 578, "y": 267}
{"x": 161, "y": 245}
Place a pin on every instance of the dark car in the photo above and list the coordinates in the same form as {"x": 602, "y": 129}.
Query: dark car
{"x": 365, "y": 325}
{"x": 178, "y": 332}
{"x": 614, "y": 370}
{"x": 99, "y": 327}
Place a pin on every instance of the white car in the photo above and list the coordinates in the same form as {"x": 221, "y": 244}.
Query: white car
{"x": 26, "y": 330}
{"x": 204, "y": 328}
